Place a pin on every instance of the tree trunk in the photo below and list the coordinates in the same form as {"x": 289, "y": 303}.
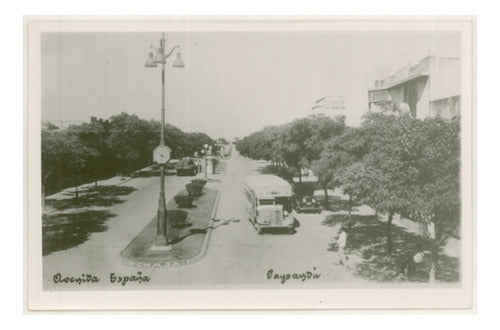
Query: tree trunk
{"x": 43, "y": 197}
{"x": 326, "y": 197}
{"x": 434, "y": 255}
{"x": 350, "y": 206}
{"x": 76, "y": 186}
{"x": 389, "y": 233}
{"x": 300, "y": 175}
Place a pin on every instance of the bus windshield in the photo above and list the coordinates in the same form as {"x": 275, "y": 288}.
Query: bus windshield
{"x": 286, "y": 202}
{"x": 266, "y": 202}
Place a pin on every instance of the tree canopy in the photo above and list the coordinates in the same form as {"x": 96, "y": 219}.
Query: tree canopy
{"x": 393, "y": 162}
{"x": 102, "y": 148}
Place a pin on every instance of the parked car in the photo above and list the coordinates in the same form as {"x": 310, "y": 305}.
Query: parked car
{"x": 304, "y": 198}
{"x": 186, "y": 166}
{"x": 307, "y": 204}
{"x": 171, "y": 164}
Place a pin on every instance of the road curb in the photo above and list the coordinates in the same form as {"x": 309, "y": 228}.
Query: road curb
{"x": 203, "y": 251}
{"x": 206, "y": 239}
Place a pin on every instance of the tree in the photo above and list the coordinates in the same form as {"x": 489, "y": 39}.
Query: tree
{"x": 338, "y": 153}
{"x": 75, "y": 156}
{"x": 51, "y": 156}
{"x": 103, "y": 148}
{"x": 303, "y": 140}
{"x": 323, "y": 129}
{"x": 132, "y": 141}
{"x": 437, "y": 195}
{"x": 391, "y": 164}
{"x": 195, "y": 142}
{"x": 293, "y": 145}
{"x": 352, "y": 180}
{"x": 326, "y": 167}
{"x": 94, "y": 135}
{"x": 223, "y": 140}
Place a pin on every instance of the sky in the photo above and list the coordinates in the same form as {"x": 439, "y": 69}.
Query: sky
{"x": 233, "y": 83}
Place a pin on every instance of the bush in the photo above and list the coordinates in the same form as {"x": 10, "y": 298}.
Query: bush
{"x": 194, "y": 189}
{"x": 199, "y": 181}
{"x": 184, "y": 201}
{"x": 176, "y": 218}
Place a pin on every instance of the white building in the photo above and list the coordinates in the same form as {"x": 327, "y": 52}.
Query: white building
{"x": 330, "y": 106}
{"x": 429, "y": 88}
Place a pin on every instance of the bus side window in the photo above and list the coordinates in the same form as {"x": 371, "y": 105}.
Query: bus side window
{"x": 248, "y": 196}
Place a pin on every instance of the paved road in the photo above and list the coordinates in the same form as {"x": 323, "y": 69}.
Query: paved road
{"x": 237, "y": 256}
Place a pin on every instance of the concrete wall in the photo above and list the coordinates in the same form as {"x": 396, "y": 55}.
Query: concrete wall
{"x": 446, "y": 108}
{"x": 423, "y": 87}
{"x": 415, "y": 93}
{"x": 434, "y": 91}
{"x": 397, "y": 94}
{"x": 445, "y": 78}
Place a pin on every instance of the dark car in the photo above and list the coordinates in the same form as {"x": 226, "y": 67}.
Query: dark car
{"x": 307, "y": 204}
{"x": 171, "y": 164}
{"x": 186, "y": 166}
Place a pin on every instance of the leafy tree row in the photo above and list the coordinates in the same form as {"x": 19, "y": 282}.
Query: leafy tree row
{"x": 103, "y": 148}
{"x": 393, "y": 162}
{"x": 293, "y": 146}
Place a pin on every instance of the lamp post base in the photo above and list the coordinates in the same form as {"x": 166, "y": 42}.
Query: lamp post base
{"x": 161, "y": 244}
{"x": 161, "y": 247}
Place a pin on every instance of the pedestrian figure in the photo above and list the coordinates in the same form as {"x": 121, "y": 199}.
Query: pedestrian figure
{"x": 342, "y": 241}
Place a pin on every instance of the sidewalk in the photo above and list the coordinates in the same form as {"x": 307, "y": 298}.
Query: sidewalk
{"x": 451, "y": 249}
{"x": 98, "y": 251}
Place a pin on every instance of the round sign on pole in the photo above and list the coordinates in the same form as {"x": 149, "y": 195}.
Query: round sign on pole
{"x": 161, "y": 154}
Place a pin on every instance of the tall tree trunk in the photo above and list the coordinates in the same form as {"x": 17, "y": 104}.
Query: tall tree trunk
{"x": 76, "y": 185}
{"x": 300, "y": 175}
{"x": 326, "y": 197}
{"x": 350, "y": 206}
{"x": 389, "y": 232}
{"x": 434, "y": 254}
{"x": 95, "y": 177}
{"x": 43, "y": 196}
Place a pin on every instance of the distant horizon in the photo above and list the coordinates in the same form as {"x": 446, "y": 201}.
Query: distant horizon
{"x": 233, "y": 84}
{"x": 71, "y": 122}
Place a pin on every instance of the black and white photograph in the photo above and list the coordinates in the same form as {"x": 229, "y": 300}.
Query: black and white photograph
{"x": 265, "y": 163}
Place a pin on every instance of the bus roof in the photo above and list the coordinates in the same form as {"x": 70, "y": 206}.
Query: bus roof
{"x": 268, "y": 185}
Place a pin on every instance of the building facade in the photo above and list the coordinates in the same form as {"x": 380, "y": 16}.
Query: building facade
{"x": 331, "y": 106}
{"x": 428, "y": 88}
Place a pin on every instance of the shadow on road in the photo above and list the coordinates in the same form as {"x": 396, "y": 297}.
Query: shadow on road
{"x": 66, "y": 230}
{"x": 216, "y": 223}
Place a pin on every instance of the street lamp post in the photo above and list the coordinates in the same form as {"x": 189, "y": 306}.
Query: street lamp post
{"x": 204, "y": 151}
{"x": 219, "y": 146}
{"x": 163, "y": 154}
{"x": 207, "y": 151}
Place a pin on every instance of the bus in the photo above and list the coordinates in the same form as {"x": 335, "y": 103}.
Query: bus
{"x": 269, "y": 202}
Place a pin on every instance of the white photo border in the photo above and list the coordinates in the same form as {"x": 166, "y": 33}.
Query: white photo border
{"x": 384, "y": 297}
